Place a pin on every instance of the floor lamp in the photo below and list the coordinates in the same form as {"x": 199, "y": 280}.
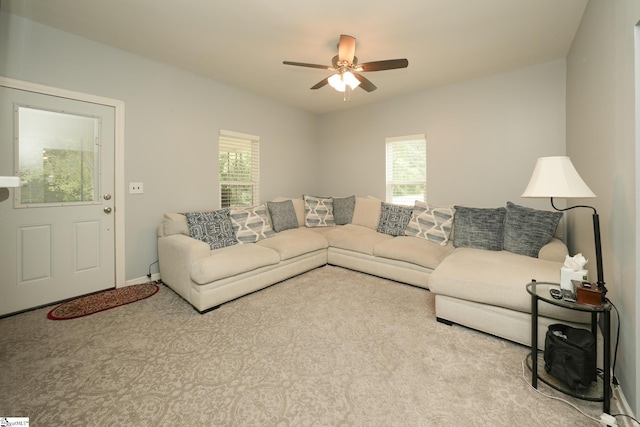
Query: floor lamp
{"x": 557, "y": 177}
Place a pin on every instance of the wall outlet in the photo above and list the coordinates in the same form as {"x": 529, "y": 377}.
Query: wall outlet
{"x": 136, "y": 188}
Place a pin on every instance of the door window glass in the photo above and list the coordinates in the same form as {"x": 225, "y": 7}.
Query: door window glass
{"x": 58, "y": 157}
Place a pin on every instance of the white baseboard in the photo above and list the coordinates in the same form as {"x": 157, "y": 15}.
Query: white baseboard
{"x": 144, "y": 279}
{"x": 623, "y": 408}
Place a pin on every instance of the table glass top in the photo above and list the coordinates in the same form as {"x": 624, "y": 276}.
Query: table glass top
{"x": 542, "y": 291}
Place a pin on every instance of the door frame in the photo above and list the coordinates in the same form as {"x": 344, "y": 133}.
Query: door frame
{"x": 118, "y": 105}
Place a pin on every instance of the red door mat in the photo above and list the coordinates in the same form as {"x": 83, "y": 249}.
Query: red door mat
{"x": 101, "y": 301}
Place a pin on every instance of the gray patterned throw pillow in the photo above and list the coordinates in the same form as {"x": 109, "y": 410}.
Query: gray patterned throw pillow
{"x": 527, "y": 230}
{"x": 394, "y": 219}
{"x": 480, "y": 228}
{"x": 343, "y": 208}
{"x": 212, "y": 227}
{"x": 283, "y": 215}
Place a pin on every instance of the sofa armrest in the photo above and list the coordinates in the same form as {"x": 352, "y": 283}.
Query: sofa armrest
{"x": 176, "y": 254}
{"x": 555, "y": 250}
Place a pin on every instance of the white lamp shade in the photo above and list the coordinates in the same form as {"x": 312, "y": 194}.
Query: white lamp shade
{"x": 556, "y": 177}
{"x": 340, "y": 81}
{"x": 351, "y": 80}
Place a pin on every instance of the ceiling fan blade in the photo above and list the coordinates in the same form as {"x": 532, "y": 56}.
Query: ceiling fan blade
{"x": 365, "y": 83}
{"x": 346, "y": 49}
{"x": 389, "y": 64}
{"x": 302, "y": 64}
{"x": 320, "y": 84}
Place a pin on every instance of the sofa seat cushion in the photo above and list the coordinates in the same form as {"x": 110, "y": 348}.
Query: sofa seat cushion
{"x": 295, "y": 242}
{"x": 357, "y": 238}
{"x": 324, "y": 230}
{"x": 498, "y": 278}
{"x": 232, "y": 260}
{"x": 414, "y": 250}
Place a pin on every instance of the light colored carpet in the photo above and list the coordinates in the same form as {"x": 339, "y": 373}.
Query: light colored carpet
{"x": 330, "y": 347}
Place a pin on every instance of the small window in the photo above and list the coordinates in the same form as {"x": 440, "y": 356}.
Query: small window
{"x": 406, "y": 169}
{"x": 239, "y": 169}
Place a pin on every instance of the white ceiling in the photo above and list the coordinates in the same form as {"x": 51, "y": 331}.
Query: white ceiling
{"x": 243, "y": 42}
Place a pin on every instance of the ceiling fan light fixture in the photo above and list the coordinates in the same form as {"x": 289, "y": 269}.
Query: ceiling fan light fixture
{"x": 340, "y": 81}
{"x": 345, "y": 64}
{"x": 337, "y": 82}
{"x": 350, "y": 79}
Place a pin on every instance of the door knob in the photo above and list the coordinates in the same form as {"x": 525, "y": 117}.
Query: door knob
{"x": 107, "y": 196}
{"x": 107, "y": 209}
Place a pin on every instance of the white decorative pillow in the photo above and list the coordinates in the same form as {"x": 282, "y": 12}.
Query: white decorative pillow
{"x": 318, "y": 211}
{"x": 251, "y": 224}
{"x": 430, "y": 222}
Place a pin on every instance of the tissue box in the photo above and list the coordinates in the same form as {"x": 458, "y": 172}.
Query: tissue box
{"x": 567, "y": 275}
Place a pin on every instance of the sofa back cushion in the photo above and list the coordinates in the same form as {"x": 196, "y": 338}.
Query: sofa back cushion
{"x": 174, "y": 223}
{"x": 367, "y": 212}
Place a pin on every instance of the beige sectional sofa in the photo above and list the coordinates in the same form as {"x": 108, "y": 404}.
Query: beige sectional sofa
{"x": 207, "y": 278}
{"x": 359, "y": 246}
{"x": 477, "y": 288}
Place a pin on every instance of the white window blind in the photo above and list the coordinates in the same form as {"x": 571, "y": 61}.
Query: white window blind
{"x": 406, "y": 169}
{"x": 239, "y": 169}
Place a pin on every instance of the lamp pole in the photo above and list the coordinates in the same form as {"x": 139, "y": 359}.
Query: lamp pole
{"x": 598, "y": 243}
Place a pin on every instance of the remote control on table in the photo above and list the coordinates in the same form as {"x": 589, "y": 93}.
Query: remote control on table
{"x": 568, "y": 296}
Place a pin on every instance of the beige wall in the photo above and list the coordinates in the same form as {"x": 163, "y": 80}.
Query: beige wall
{"x": 483, "y": 137}
{"x": 601, "y": 140}
{"x": 171, "y": 126}
{"x": 172, "y": 120}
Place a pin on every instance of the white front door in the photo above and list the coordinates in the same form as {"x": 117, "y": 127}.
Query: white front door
{"x": 57, "y": 231}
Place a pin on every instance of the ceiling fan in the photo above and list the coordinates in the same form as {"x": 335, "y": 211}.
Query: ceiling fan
{"x": 347, "y": 69}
